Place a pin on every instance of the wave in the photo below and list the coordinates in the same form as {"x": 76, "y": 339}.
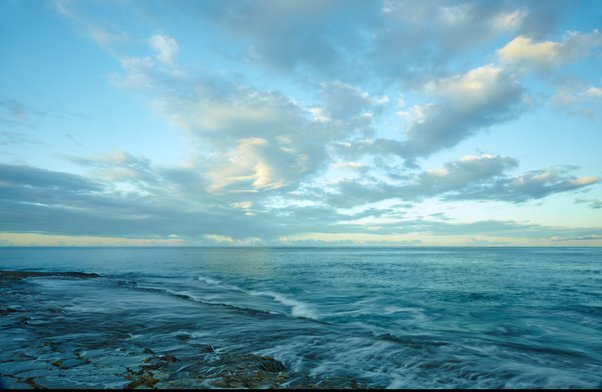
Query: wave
{"x": 215, "y": 282}
{"x": 298, "y": 308}
{"x": 209, "y": 280}
{"x": 190, "y": 297}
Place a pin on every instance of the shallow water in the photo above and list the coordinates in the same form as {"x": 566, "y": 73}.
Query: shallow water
{"x": 373, "y": 317}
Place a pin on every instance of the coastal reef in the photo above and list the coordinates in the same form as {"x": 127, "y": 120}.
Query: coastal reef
{"x": 52, "y": 338}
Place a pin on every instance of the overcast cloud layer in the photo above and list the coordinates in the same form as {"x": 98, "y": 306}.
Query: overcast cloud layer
{"x": 312, "y": 122}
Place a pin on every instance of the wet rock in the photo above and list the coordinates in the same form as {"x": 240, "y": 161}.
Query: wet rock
{"x": 205, "y": 348}
{"x": 80, "y": 357}
{"x": 141, "y": 378}
{"x": 6, "y": 311}
{"x": 58, "y": 364}
{"x": 32, "y": 383}
{"x": 271, "y": 365}
{"x": 17, "y": 275}
{"x": 167, "y": 358}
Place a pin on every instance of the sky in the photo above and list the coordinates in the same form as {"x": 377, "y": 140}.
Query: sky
{"x": 300, "y": 123}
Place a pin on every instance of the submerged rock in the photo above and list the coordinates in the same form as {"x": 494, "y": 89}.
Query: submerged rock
{"x": 17, "y": 275}
{"x": 271, "y": 365}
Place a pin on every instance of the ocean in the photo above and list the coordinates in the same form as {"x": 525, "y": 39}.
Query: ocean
{"x": 424, "y": 317}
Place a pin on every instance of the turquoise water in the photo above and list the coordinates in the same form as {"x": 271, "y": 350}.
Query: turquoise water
{"x": 386, "y": 317}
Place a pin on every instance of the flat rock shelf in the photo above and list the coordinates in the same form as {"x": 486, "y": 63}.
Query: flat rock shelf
{"x": 51, "y": 341}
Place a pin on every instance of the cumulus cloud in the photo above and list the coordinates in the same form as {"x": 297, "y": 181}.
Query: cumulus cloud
{"x": 471, "y": 102}
{"x": 464, "y": 104}
{"x": 254, "y": 139}
{"x": 526, "y": 52}
{"x": 259, "y": 140}
{"x": 416, "y": 41}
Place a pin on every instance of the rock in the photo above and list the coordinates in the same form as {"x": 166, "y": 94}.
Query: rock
{"x": 167, "y": 358}
{"x": 271, "y": 365}
{"x": 4, "y": 312}
{"x": 31, "y": 382}
{"x": 17, "y": 275}
{"x": 141, "y": 378}
{"x": 205, "y": 348}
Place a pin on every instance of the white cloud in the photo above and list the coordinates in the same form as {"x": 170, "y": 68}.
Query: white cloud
{"x": 455, "y": 15}
{"x": 165, "y": 46}
{"x": 595, "y": 92}
{"x": 469, "y": 103}
{"x": 525, "y": 49}
{"x": 348, "y": 165}
{"x": 575, "y": 97}
{"x": 509, "y": 21}
{"x": 527, "y": 52}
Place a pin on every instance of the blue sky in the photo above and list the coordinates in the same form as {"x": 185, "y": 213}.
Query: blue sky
{"x": 300, "y": 123}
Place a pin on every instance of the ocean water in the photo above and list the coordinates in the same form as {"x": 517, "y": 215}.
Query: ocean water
{"x": 373, "y": 317}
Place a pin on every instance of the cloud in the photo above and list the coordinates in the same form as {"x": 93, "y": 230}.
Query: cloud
{"x": 166, "y": 47}
{"x": 254, "y": 139}
{"x": 575, "y": 97}
{"x": 473, "y": 101}
{"x": 591, "y": 237}
{"x": 40, "y": 201}
{"x": 526, "y": 52}
{"x": 535, "y": 184}
{"x": 343, "y": 101}
{"x": 593, "y": 203}
{"x": 415, "y": 41}
{"x": 464, "y": 105}
{"x": 509, "y": 21}
{"x": 469, "y": 178}
{"x": 390, "y": 40}
{"x": 43, "y": 201}
{"x": 311, "y": 36}
{"x": 302, "y": 125}
{"x": 23, "y": 176}
{"x": 18, "y": 122}
{"x": 120, "y": 166}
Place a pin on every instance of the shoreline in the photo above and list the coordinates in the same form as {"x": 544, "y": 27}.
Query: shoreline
{"x": 55, "y": 354}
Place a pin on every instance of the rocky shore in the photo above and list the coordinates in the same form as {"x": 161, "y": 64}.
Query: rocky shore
{"x": 47, "y": 344}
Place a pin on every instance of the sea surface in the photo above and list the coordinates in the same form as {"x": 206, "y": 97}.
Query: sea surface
{"x": 319, "y": 317}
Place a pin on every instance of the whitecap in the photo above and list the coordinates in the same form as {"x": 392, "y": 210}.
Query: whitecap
{"x": 209, "y": 280}
{"x": 298, "y": 308}
{"x": 219, "y": 283}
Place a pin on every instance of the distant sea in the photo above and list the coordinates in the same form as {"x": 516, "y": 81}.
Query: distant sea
{"x": 315, "y": 317}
